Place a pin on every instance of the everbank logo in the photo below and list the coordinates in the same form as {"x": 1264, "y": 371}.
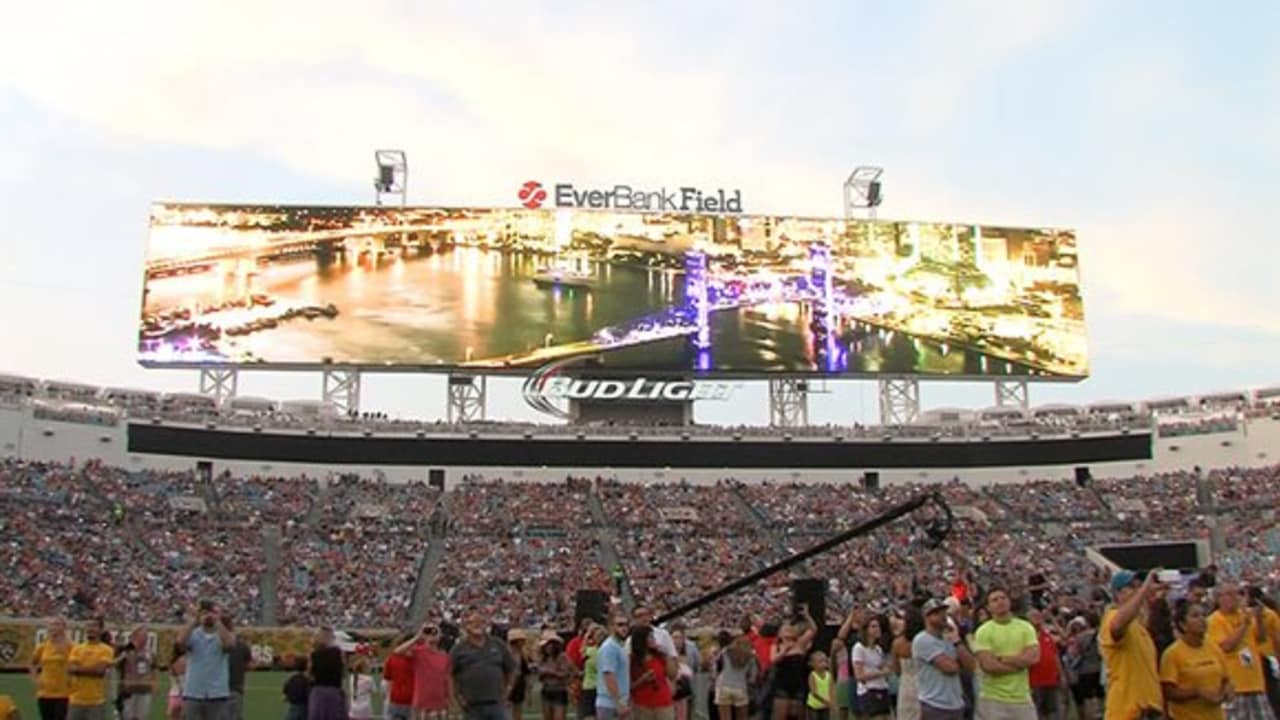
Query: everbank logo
{"x": 547, "y": 387}
{"x": 623, "y": 197}
{"x": 531, "y": 194}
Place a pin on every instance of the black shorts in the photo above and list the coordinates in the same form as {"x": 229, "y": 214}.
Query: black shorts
{"x": 1087, "y": 686}
{"x": 587, "y": 704}
{"x": 555, "y": 697}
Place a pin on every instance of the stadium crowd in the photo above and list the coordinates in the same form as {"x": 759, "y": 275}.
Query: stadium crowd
{"x": 528, "y": 547}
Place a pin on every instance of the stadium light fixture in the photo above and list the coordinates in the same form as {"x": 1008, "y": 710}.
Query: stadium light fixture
{"x": 862, "y": 190}
{"x": 393, "y": 175}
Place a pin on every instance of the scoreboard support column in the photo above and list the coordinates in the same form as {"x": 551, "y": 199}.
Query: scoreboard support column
{"x": 466, "y": 398}
{"x": 342, "y": 388}
{"x": 219, "y": 382}
{"x": 788, "y": 402}
{"x": 899, "y": 400}
{"x": 1012, "y": 393}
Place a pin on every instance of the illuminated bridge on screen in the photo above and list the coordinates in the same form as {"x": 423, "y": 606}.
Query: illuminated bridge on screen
{"x": 706, "y": 294}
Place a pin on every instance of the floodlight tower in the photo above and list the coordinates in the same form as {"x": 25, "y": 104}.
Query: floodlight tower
{"x": 393, "y": 176}
{"x": 899, "y": 396}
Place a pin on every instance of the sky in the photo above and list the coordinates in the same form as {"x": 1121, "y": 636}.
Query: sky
{"x": 1153, "y": 128}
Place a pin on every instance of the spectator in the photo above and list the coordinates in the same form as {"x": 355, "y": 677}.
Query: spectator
{"x": 398, "y": 672}
{"x": 431, "y": 672}
{"x": 296, "y": 691}
{"x": 613, "y": 695}
{"x": 206, "y": 689}
{"x": 941, "y": 654}
{"x": 1006, "y": 646}
{"x": 482, "y": 669}
{"x": 1193, "y": 672}
{"x": 88, "y": 664}
{"x": 1237, "y": 632}
{"x": 49, "y": 670}
{"x": 138, "y": 677}
{"x": 1045, "y": 675}
{"x": 1129, "y": 653}
{"x": 326, "y": 700}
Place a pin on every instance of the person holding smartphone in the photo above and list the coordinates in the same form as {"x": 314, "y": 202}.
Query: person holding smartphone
{"x": 1238, "y": 632}
{"x": 432, "y": 673}
{"x": 206, "y": 689}
{"x": 1129, "y": 652}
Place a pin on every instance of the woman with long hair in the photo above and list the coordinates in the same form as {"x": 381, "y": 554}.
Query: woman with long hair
{"x": 871, "y": 670}
{"x": 791, "y": 667}
{"x": 360, "y": 690}
{"x": 520, "y": 686}
{"x": 687, "y": 664}
{"x": 736, "y": 669}
{"x": 555, "y": 672}
{"x": 1193, "y": 672}
{"x": 902, "y": 663}
{"x": 651, "y": 694}
{"x": 49, "y": 671}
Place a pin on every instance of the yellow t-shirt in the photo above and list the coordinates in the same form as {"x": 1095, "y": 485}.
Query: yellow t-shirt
{"x": 1244, "y": 666}
{"x": 7, "y": 708}
{"x": 1272, "y": 621}
{"x": 88, "y": 690}
{"x": 53, "y": 680}
{"x": 1202, "y": 668}
{"x": 822, "y": 683}
{"x": 1133, "y": 683}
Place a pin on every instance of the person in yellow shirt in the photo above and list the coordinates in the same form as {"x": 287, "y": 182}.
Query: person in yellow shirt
{"x": 1133, "y": 681}
{"x": 1271, "y": 645}
{"x": 88, "y": 664}
{"x": 9, "y": 709}
{"x": 1238, "y": 632}
{"x": 49, "y": 671}
{"x": 1193, "y": 671}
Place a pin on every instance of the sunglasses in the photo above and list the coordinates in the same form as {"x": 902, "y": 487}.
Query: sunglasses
{"x": 430, "y": 631}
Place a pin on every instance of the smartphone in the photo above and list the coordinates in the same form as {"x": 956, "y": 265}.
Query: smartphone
{"x": 1169, "y": 577}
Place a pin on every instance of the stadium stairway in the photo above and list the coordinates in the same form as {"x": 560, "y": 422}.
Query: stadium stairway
{"x": 424, "y": 587}
{"x": 761, "y": 520}
{"x": 270, "y": 578}
{"x": 609, "y": 557}
{"x": 316, "y": 513}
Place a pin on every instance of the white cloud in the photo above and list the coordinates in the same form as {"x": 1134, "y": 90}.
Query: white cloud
{"x": 619, "y": 93}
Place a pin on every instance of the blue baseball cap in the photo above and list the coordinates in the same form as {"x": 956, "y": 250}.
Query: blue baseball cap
{"x": 1123, "y": 579}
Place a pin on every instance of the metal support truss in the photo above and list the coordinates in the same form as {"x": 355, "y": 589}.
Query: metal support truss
{"x": 1012, "y": 393}
{"x": 466, "y": 398}
{"x": 899, "y": 400}
{"x": 342, "y": 388}
{"x": 221, "y": 383}
{"x": 788, "y": 402}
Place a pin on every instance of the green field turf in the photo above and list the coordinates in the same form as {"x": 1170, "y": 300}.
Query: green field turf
{"x": 262, "y": 701}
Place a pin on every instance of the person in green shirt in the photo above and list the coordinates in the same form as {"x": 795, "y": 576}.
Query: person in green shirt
{"x": 590, "y": 669}
{"x": 1006, "y": 646}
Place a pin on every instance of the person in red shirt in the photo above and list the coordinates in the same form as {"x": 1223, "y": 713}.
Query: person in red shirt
{"x": 651, "y": 696}
{"x": 432, "y": 674}
{"x": 762, "y": 644}
{"x": 574, "y": 649}
{"x": 574, "y": 652}
{"x": 1045, "y": 676}
{"x": 398, "y": 672}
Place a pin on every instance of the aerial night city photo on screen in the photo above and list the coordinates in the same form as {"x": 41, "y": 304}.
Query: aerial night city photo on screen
{"x": 510, "y": 289}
